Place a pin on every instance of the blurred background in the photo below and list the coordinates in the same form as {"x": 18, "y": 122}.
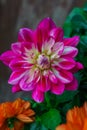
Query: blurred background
{"x": 15, "y": 14}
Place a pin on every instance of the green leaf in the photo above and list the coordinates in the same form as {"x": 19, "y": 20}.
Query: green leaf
{"x": 85, "y": 61}
{"x": 66, "y": 96}
{"x": 76, "y": 11}
{"x": 67, "y": 29}
{"x": 51, "y": 119}
{"x": 66, "y": 107}
{"x": 37, "y": 126}
{"x": 71, "y": 104}
{"x": 78, "y": 21}
{"x": 78, "y": 76}
{"x": 84, "y": 41}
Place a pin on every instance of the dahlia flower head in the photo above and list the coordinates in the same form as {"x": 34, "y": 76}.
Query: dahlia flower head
{"x": 43, "y": 60}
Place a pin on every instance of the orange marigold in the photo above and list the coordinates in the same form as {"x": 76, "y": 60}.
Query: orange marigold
{"x": 18, "y": 109}
{"x": 76, "y": 119}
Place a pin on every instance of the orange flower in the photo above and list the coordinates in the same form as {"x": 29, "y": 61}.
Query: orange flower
{"x": 18, "y": 109}
{"x": 76, "y": 119}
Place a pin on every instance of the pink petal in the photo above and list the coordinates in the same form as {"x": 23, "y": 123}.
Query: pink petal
{"x": 41, "y": 34}
{"x": 26, "y": 86}
{"x": 16, "y": 76}
{"x": 73, "y": 85}
{"x": 19, "y": 47}
{"x": 48, "y": 45}
{"x": 53, "y": 78}
{"x": 44, "y": 84}
{"x": 47, "y": 23}
{"x": 58, "y": 88}
{"x": 16, "y": 48}
{"x": 25, "y": 34}
{"x": 57, "y": 34}
{"x": 77, "y": 67}
{"x": 7, "y": 56}
{"x": 29, "y": 80}
{"x": 16, "y": 88}
{"x": 66, "y": 63}
{"x": 40, "y": 38}
{"x": 63, "y": 75}
{"x": 18, "y": 63}
{"x": 58, "y": 48}
{"x": 71, "y": 41}
{"x": 70, "y": 51}
{"x": 38, "y": 95}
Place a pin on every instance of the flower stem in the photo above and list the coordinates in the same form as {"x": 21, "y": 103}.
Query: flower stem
{"x": 47, "y": 100}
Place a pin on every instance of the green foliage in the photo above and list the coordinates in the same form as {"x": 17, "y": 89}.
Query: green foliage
{"x": 51, "y": 119}
{"x": 35, "y": 126}
{"x": 76, "y": 24}
{"x": 66, "y": 96}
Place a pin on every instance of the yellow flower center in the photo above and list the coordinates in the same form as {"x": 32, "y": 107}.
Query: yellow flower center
{"x": 43, "y": 62}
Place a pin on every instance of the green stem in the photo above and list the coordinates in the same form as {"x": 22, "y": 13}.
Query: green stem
{"x": 47, "y": 100}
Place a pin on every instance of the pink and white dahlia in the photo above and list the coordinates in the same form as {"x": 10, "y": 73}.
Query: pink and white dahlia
{"x": 43, "y": 60}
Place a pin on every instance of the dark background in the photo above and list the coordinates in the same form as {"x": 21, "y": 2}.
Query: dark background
{"x": 15, "y": 14}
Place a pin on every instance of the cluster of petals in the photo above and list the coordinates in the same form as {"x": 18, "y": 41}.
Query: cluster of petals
{"x": 18, "y": 109}
{"x": 76, "y": 119}
{"x": 43, "y": 60}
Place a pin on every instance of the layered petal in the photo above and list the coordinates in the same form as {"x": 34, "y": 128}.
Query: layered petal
{"x": 72, "y": 85}
{"x": 77, "y": 67}
{"x": 57, "y": 88}
{"x": 26, "y": 86}
{"x": 16, "y": 88}
{"x": 70, "y": 51}
{"x": 53, "y": 78}
{"x": 25, "y": 34}
{"x": 85, "y": 124}
{"x": 66, "y": 63}
{"x": 42, "y": 31}
{"x": 63, "y": 75}
{"x": 58, "y": 48}
{"x": 38, "y": 95}
{"x": 18, "y": 63}
{"x": 16, "y": 76}
{"x": 47, "y": 23}
{"x": 44, "y": 84}
{"x": 17, "y": 48}
{"x": 28, "y": 82}
{"x": 71, "y": 41}
{"x": 57, "y": 34}
{"x": 48, "y": 45}
{"x": 62, "y": 127}
{"x": 24, "y": 118}
{"x": 7, "y": 56}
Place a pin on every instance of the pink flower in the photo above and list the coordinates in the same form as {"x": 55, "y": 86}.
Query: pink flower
{"x": 43, "y": 60}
